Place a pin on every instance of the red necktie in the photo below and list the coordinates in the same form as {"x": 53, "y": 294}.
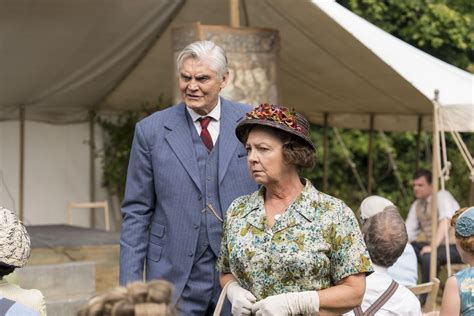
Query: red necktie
{"x": 205, "y": 135}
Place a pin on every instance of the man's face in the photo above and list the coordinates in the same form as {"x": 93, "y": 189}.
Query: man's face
{"x": 421, "y": 188}
{"x": 200, "y": 85}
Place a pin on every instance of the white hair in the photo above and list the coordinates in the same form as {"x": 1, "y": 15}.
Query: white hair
{"x": 205, "y": 51}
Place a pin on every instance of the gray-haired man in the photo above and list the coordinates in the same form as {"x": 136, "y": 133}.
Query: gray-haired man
{"x": 186, "y": 167}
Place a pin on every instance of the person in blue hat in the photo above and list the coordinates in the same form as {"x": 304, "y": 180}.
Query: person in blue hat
{"x": 458, "y": 296}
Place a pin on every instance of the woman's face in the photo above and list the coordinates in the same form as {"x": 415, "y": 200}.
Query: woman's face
{"x": 265, "y": 157}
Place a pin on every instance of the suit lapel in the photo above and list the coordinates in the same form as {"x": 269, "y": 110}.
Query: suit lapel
{"x": 228, "y": 142}
{"x": 179, "y": 138}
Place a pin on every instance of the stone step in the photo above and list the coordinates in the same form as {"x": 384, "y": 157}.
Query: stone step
{"x": 59, "y": 281}
{"x": 65, "y": 307}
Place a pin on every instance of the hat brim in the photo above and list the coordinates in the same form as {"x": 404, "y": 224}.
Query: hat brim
{"x": 243, "y": 125}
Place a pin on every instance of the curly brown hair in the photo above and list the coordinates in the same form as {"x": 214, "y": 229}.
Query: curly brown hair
{"x": 467, "y": 243}
{"x": 136, "y": 299}
{"x": 295, "y": 151}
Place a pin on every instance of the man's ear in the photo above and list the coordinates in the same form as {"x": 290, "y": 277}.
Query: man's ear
{"x": 225, "y": 79}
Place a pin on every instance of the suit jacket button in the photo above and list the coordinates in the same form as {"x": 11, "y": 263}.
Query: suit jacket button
{"x": 196, "y": 226}
{"x": 191, "y": 254}
{"x": 199, "y": 197}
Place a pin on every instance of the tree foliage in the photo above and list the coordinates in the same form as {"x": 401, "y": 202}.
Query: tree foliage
{"x": 402, "y": 147}
{"x": 118, "y": 136}
{"x": 443, "y": 29}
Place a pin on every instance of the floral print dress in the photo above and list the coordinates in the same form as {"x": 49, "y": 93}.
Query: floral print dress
{"x": 312, "y": 246}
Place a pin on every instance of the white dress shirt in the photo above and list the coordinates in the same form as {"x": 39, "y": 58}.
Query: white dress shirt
{"x": 403, "y": 302}
{"x": 447, "y": 205}
{"x": 405, "y": 269}
{"x": 214, "y": 124}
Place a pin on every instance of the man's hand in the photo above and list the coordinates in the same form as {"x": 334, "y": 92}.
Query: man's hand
{"x": 241, "y": 299}
{"x": 288, "y": 304}
{"x": 425, "y": 250}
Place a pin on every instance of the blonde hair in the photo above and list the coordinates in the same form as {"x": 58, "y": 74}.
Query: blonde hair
{"x": 136, "y": 299}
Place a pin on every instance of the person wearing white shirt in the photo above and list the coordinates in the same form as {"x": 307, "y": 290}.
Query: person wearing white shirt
{"x": 419, "y": 220}
{"x": 405, "y": 269}
{"x": 386, "y": 237}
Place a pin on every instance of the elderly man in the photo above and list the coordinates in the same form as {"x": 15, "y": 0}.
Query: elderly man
{"x": 419, "y": 220}
{"x": 386, "y": 237}
{"x": 405, "y": 269}
{"x": 186, "y": 167}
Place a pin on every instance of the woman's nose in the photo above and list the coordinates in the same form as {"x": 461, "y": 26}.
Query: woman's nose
{"x": 251, "y": 156}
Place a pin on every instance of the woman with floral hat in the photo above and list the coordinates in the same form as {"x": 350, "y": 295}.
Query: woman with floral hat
{"x": 288, "y": 248}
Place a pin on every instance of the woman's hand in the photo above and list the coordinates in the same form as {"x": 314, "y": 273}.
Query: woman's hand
{"x": 241, "y": 299}
{"x": 288, "y": 304}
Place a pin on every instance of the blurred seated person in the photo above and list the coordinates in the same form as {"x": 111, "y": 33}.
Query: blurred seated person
{"x": 386, "y": 237}
{"x": 419, "y": 220}
{"x": 136, "y": 299}
{"x": 288, "y": 249}
{"x": 458, "y": 294}
{"x": 405, "y": 269}
{"x": 14, "y": 253}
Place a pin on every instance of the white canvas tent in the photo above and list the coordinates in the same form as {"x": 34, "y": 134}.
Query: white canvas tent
{"x": 59, "y": 60}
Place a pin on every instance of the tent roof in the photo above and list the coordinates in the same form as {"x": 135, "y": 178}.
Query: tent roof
{"x": 113, "y": 55}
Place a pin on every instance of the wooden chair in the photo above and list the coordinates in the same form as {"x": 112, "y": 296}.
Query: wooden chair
{"x": 430, "y": 288}
{"x": 90, "y": 205}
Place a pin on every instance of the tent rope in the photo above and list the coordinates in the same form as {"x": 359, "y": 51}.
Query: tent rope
{"x": 349, "y": 160}
{"x": 389, "y": 151}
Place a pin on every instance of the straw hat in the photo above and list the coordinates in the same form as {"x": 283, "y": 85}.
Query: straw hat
{"x": 14, "y": 240}
{"x": 373, "y": 205}
{"x": 278, "y": 117}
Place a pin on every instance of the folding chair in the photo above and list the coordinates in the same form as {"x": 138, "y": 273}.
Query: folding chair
{"x": 90, "y": 205}
{"x": 430, "y": 288}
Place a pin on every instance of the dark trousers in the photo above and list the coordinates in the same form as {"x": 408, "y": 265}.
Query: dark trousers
{"x": 424, "y": 260}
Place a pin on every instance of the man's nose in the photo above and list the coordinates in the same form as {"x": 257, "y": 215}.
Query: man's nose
{"x": 193, "y": 85}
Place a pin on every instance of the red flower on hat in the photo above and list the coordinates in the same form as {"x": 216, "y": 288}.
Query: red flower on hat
{"x": 279, "y": 115}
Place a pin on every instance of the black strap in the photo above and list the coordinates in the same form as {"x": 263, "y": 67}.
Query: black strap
{"x": 379, "y": 302}
{"x": 5, "y": 305}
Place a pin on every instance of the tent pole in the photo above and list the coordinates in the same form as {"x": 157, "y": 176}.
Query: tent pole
{"x": 22, "y": 163}
{"x": 418, "y": 142}
{"x": 92, "y": 165}
{"x": 471, "y": 193}
{"x": 234, "y": 13}
{"x": 326, "y": 153}
{"x": 370, "y": 152}
{"x": 434, "y": 194}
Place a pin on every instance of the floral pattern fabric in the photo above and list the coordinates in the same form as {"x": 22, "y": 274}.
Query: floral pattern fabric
{"x": 312, "y": 246}
{"x": 465, "y": 281}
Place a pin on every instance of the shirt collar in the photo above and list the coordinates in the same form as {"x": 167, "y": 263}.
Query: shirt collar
{"x": 254, "y": 211}
{"x": 215, "y": 114}
{"x": 379, "y": 269}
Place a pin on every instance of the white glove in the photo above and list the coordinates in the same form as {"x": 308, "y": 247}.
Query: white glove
{"x": 306, "y": 303}
{"x": 241, "y": 299}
